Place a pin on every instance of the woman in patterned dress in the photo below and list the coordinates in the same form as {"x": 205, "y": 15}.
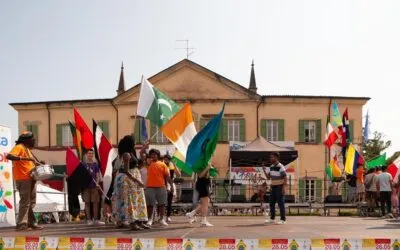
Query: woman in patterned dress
{"x": 129, "y": 200}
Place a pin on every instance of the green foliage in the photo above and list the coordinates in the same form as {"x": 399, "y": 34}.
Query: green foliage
{"x": 375, "y": 146}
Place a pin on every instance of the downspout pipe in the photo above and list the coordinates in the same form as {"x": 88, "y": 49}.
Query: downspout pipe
{"x": 49, "y": 124}
{"x": 116, "y": 122}
{"x": 262, "y": 99}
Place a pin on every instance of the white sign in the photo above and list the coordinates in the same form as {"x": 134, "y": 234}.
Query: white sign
{"x": 254, "y": 175}
{"x": 7, "y": 206}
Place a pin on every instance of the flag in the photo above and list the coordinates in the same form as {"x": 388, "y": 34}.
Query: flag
{"x": 143, "y": 129}
{"x": 179, "y": 160}
{"x": 328, "y": 171}
{"x": 83, "y": 131}
{"x": 203, "y": 145}
{"x": 78, "y": 176}
{"x": 352, "y": 160}
{"x": 336, "y": 117}
{"x": 180, "y": 129}
{"x": 366, "y": 128}
{"x": 378, "y": 161}
{"x": 345, "y": 129}
{"x": 155, "y": 105}
{"x": 393, "y": 169}
{"x": 105, "y": 154}
{"x": 331, "y": 136}
{"x": 336, "y": 172}
{"x": 76, "y": 138}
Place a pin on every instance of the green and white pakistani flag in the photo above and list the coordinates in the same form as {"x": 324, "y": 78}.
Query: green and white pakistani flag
{"x": 155, "y": 105}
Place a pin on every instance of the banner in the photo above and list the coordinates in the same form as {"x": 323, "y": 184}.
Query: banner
{"x": 256, "y": 175}
{"x": 7, "y": 206}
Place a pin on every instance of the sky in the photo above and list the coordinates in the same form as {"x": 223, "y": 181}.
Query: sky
{"x": 58, "y": 50}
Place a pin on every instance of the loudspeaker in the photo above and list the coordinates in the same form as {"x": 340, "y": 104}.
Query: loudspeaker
{"x": 333, "y": 199}
{"x": 290, "y": 198}
{"x": 186, "y": 195}
{"x": 238, "y": 198}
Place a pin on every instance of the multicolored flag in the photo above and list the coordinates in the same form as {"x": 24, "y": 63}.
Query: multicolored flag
{"x": 84, "y": 131}
{"x": 203, "y": 145}
{"x": 336, "y": 117}
{"x": 155, "y": 105}
{"x": 394, "y": 169}
{"x": 76, "y": 138}
{"x": 352, "y": 160}
{"x": 143, "y": 130}
{"x": 345, "y": 129}
{"x": 180, "y": 129}
{"x": 179, "y": 160}
{"x": 331, "y": 136}
{"x": 336, "y": 172}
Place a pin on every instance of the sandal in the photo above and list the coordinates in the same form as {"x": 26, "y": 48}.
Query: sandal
{"x": 36, "y": 227}
{"x": 144, "y": 225}
{"x": 23, "y": 227}
{"x": 134, "y": 227}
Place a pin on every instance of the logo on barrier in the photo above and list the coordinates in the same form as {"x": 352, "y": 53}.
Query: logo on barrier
{"x": 293, "y": 245}
{"x": 241, "y": 245}
{"x": 2, "y": 244}
{"x": 396, "y": 245}
{"x": 43, "y": 245}
{"x": 188, "y": 245}
{"x": 138, "y": 245}
{"x": 346, "y": 245}
{"x": 89, "y": 245}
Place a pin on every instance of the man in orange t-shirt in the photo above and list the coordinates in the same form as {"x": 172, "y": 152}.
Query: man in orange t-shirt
{"x": 360, "y": 183}
{"x": 156, "y": 192}
{"x": 23, "y": 164}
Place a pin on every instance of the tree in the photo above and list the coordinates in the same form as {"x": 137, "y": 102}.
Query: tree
{"x": 374, "y": 147}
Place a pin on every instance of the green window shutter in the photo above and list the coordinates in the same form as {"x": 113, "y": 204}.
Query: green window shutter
{"x": 302, "y": 190}
{"x": 59, "y": 134}
{"x": 243, "y": 190}
{"x": 281, "y": 130}
{"x": 351, "y": 128}
{"x": 34, "y": 128}
{"x": 104, "y": 126}
{"x": 242, "y": 130}
{"x": 301, "y": 130}
{"x": 263, "y": 126}
{"x": 318, "y": 186}
{"x": 318, "y": 122}
{"x": 137, "y": 130}
{"x": 153, "y": 130}
{"x": 223, "y": 131}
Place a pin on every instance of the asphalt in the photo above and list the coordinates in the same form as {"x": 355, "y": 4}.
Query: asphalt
{"x": 251, "y": 227}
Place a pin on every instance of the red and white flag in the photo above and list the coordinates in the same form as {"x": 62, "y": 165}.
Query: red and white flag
{"x": 331, "y": 136}
{"x": 393, "y": 169}
{"x": 105, "y": 154}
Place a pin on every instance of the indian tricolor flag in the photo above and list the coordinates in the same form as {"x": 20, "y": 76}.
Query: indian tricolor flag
{"x": 155, "y": 105}
{"x": 180, "y": 129}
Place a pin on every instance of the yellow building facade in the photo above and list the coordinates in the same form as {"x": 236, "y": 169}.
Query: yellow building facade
{"x": 248, "y": 114}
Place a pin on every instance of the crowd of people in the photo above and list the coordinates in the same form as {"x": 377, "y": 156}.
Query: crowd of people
{"x": 141, "y": 191}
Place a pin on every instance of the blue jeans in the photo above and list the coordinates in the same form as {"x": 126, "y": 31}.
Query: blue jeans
{"x": 277, "y": 196}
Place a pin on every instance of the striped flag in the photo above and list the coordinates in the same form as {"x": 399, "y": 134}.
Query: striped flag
{"x": 352, "y": 160}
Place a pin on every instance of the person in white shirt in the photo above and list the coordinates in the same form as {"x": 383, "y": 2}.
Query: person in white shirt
{"x": 384, "y": 186}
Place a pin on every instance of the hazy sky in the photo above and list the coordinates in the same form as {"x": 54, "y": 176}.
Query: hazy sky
{"x": 52, "y": 50}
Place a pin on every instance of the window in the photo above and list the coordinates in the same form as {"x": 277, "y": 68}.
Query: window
{"x": 64, "y": 136}
{"x": 310, "y": 190}
{"x": 272, "y": 130}
{"x": 160, "y": 137}
{"x": 310, "y": 131}
{"x": 233, "y": 130}
{"x": 34, "y": 129}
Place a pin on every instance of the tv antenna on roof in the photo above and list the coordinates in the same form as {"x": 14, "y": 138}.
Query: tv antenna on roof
{"x": 189, "y": 50}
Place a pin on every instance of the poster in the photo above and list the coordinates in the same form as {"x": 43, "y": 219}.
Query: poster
{"x": 7, "y": 206}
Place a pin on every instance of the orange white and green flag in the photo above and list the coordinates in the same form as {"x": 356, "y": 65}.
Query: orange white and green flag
{"x": 180, "y": 129}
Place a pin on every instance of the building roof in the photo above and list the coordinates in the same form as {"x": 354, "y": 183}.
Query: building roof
{"x": 249, "y": 91}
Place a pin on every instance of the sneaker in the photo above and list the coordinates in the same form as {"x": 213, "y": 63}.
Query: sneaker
{"x": 206, "y": 224}
{"x": 192, "y": 220}
{"x": 97, "y": 222}
{"x": 89, "y": 222}
{"x": 163, "y": 223}
{"x": 281, "y": 222}
{"x": 169, "y": 219}
{"x": 150, "y": 222}
{"x": 269, "y": 221}
{"x": 190, "y": 215}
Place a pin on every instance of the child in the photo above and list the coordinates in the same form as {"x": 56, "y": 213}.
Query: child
{"x": 395, "y": 200}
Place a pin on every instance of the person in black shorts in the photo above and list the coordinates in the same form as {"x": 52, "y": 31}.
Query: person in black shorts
{"x": 203, "y": 188}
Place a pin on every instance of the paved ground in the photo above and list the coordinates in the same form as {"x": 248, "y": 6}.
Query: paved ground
{"x": 251, "y": 227}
